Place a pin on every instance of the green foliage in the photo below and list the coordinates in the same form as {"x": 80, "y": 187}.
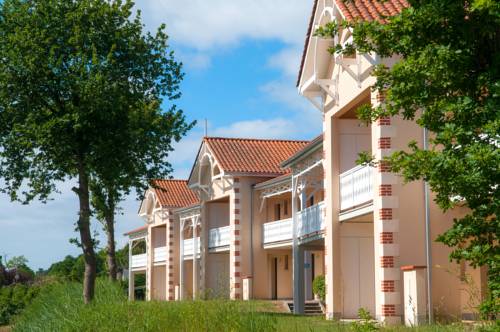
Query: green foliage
{"x": 82, "y": 87}
{"x": 14, "y": 298}
{"x": 72, "y": 268}
{"x": 318, "y": 287}
{"x": 20, "y": 263}
{"x": 366, "y": 322}
{"x": 60, "y": 308}
{"x": 448, "y": 81}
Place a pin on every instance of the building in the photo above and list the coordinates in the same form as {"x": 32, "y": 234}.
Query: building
{"x": 376, "y": 225}
{"x": 262, "y": 218}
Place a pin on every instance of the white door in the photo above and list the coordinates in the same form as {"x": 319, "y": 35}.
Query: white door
{"x": 358, "y": 275}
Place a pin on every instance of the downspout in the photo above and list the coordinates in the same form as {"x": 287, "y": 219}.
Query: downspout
{"x": 251, "y": 236}
{"x": 428, "y": 249}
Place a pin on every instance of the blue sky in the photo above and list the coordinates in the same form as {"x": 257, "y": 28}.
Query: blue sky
{"x": 241, "y": 60}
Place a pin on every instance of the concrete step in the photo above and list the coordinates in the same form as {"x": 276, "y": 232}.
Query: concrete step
{"x": 310, "y": 308}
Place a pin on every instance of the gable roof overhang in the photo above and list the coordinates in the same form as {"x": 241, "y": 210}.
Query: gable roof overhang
{"x": 315, "y": 145}
{"x": 221, "y": 157}
{"x": 313, "y": 81}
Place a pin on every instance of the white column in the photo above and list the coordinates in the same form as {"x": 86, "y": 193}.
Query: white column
{"x": 298, "y": 259}
{"x": 195, "y": 257}
{"x": 149, "y": 264}
{"x": 130, "y": 273}
{"x": 181, "y": 260}
{"x": 308, "y": 275}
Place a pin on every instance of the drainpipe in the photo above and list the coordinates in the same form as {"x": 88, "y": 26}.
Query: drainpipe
{"x": 428, "y": 249}
{"x": 251, "y": 233}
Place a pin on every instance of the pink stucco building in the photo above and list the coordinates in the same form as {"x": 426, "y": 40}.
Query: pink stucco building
{"x": 260, "y": 219}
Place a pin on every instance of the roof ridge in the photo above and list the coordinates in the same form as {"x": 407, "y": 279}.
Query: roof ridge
{"x": 178, "y": 180}
{"x": 255, "y": 139}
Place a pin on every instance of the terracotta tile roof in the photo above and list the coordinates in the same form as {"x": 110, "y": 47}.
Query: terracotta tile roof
{"x": 255, "y": 156}
{"x": 367, "y": 10}
{"x": 370, "y": 10}
{"x": 174, "y": 193}
{"x": 137, "y": 230}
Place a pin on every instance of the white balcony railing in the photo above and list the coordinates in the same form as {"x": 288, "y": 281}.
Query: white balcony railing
{"x": 160, "y": 254}
{"x": 188, "y": 247}
{"x": 219, "y": 237}
{"x": 356, "y": 187}
{"x": 139, "y": 260}
{"x": 276, "y": 231}
{"x": 311, "y": 220}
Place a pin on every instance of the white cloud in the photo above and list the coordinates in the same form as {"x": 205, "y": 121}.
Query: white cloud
{"x": 203, "y": 25}
{"x": 287, "y": 60}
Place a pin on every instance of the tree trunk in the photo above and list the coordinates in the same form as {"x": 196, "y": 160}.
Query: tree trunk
{"x": 85, "y": 235}
{"x": 111, "y": 250}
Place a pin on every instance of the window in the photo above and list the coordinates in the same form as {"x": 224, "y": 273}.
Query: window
{"x": 311, "y": 201}
{"x": 285, "y": 207}
{"x": 286, "y": 262}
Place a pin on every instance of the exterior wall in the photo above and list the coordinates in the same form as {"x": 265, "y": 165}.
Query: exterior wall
{"x": 357, "y": 268}
{"x": 172, "y": 264}
{"x": 241, "y": 250}
{"x": 217, "y": 274}
{"x": 159, "y": 291}
{"x": 354, "y": 138}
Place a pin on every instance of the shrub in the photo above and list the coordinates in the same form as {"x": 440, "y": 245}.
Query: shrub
{"x": 14, "y": 298}
{"x": 319, "y": 287}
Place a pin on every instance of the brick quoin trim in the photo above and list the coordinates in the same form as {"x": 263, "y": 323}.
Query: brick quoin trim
{"x": 384, "y": 143}
{"x": 236, "y": 211}
{"x": 236, "y": 180}
{"x": 236, "y": 232}
{"x": 384, "y": 121}
{"x": 236, "y": 284}
{"x": 387, "y": 261}
{"x": 236, "y": 201}
{"x": 385, "y": 214}
{"x": 236, "y": 190}
{"x": 385, "y": 190}
{"x": 388, "y": 310}
{"x": 386, "y": 237}
{"x": 383, "y": 166}
{"x": 236, "y": 221}
{"x": 387, "y": 286}
{"x": 236, "y": 264}
{"x": 381, "y": 95}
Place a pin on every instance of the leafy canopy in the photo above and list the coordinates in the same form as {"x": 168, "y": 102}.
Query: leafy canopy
{"x": 82, "y": 83}
{"x": 448, "y": 80}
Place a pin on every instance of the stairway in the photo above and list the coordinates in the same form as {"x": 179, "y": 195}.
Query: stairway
{"x": 310, "y": 308}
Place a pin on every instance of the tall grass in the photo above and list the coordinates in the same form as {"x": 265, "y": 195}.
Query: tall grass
{"x": 59, "y": 307}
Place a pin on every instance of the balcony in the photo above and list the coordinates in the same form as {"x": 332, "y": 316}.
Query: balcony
{"x": 189, "y": 246}
{"x": 311, "y": 221}
{"x": 160, "y": 254}
{"x": 219, "y": 238}
{"x": 277, "y": 231}
{"x": 356, "y": 187}
{"x": 139, "y": 261}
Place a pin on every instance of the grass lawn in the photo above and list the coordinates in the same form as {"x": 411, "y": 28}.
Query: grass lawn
{"x": 59, "y": 308}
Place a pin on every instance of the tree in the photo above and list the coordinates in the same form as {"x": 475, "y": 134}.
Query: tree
{"x": 81, "y": 89}
{"x": 448, "y": 80}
